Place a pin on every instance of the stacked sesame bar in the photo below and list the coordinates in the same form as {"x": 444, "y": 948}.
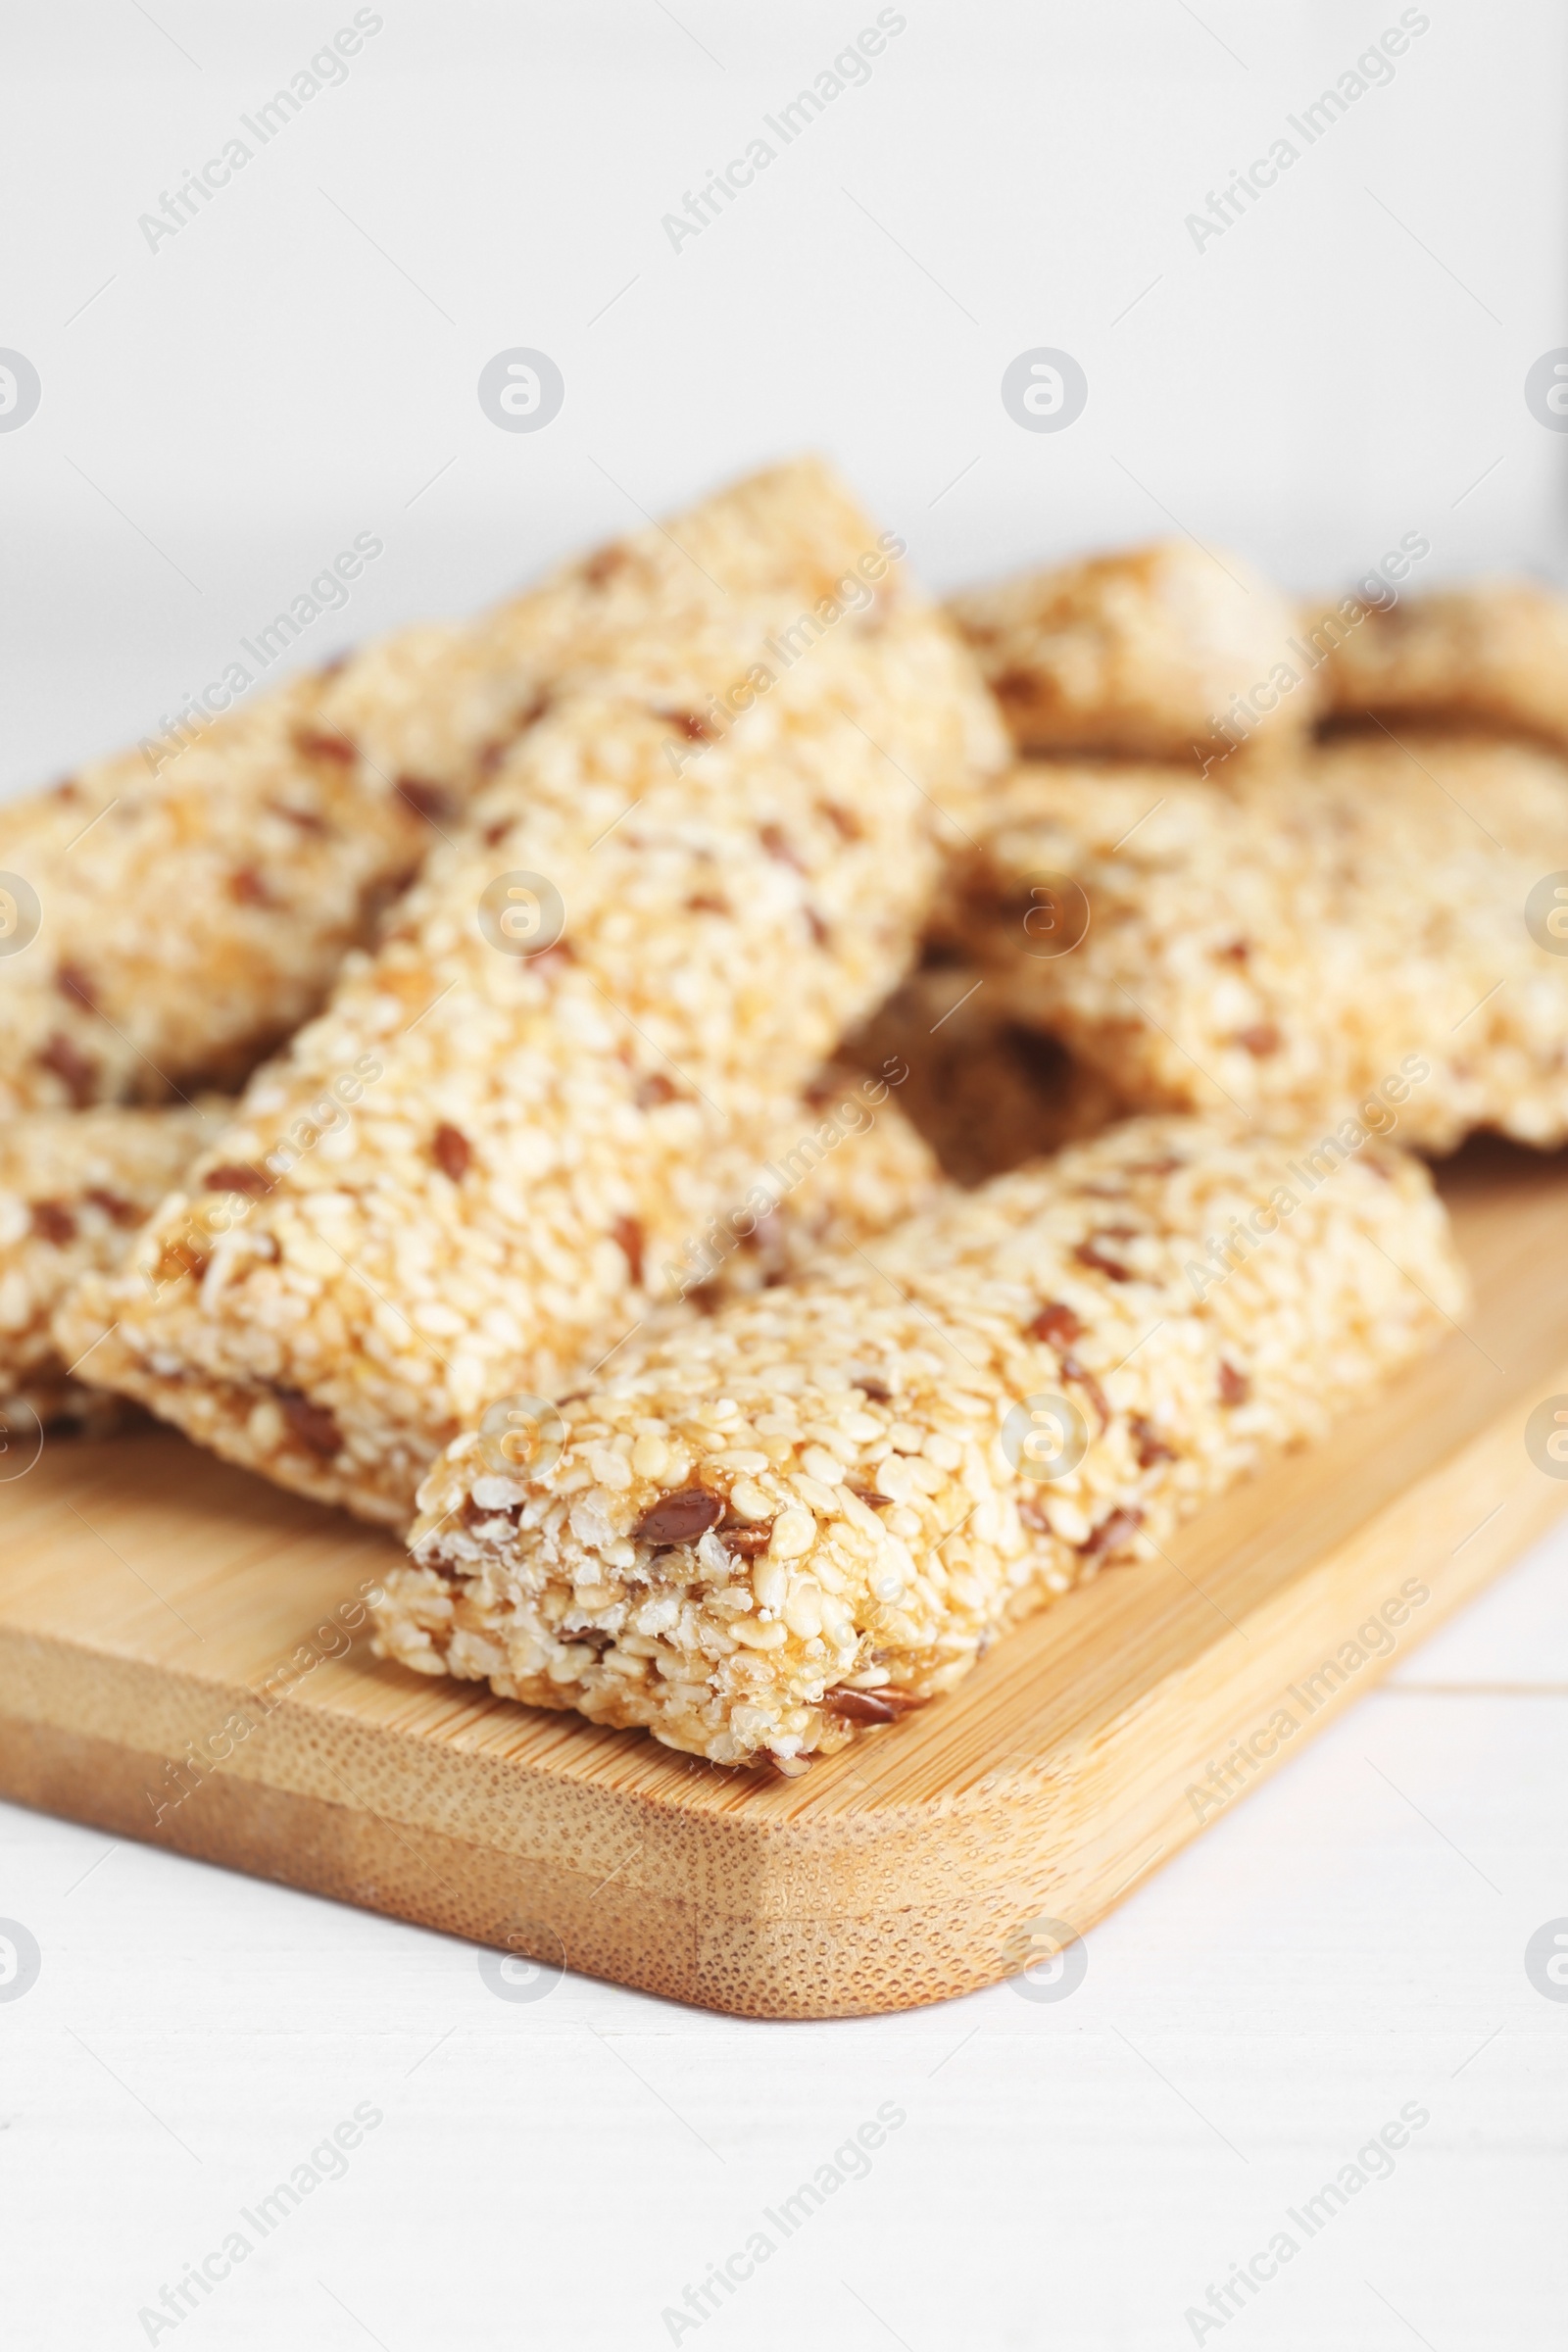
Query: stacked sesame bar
{"x": 74, "y": 1188}
{"x": 1142, "y": 654}
{"x": 77, "y": 1186}
{"x": 481, "y": 1167}
{"x": 814, "y": 1511}
{"x": 1490, "y": 656}
{"x": 1357, "y": 937}
{"x": 182, "y": 909}
{"x": 171, "y": 914}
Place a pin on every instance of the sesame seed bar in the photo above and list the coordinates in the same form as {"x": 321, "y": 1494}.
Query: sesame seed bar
{"x": 183, "y": 908}
{"x": 1352, "y": 938}
{"x": 986, "y": 1092}
{"x": 175, "y": 925}
{"x": 774, "y": 1530}
{"x": 1145, "y": 654}
{"x": 1490, "y": 655}
{"x": 497, "y": 1148}
{"x": 75, "y": 1189}
{"x": 77, "y": 1186}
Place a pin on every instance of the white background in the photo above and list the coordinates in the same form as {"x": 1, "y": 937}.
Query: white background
{"x": 1344, "y": 365}
{"x": 219, "y": 418}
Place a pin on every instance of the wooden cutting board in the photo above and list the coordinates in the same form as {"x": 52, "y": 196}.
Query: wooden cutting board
{"x": 182, "y": 1658}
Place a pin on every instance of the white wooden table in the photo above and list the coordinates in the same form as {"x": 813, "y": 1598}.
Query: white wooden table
{"x": 1346, "y": 1948}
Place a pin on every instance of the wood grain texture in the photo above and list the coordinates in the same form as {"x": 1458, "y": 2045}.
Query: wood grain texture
{"x": 156, "y": 1606}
